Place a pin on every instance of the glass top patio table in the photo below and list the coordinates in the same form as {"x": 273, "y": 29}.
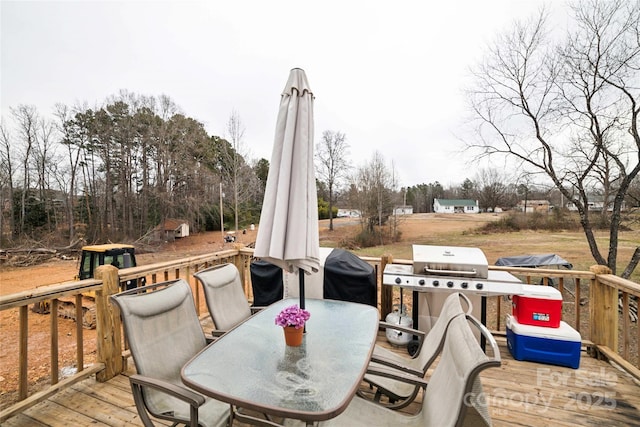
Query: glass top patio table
{"x": 252, "y": 367}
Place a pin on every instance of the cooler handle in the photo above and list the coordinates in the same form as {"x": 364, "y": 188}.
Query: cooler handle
{"x": 508, "y": 323}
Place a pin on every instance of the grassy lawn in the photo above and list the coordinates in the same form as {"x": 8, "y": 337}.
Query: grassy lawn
{"x": 460, "y": 231}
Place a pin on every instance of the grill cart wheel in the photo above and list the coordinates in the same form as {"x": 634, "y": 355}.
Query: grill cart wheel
{"x": 413, "y": 346}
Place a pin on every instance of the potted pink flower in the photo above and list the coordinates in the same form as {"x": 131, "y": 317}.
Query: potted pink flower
{"x": 292, "y": 316}
{"x": 292, "y": 320}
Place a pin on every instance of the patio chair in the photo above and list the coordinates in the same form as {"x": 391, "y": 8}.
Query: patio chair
{"x": 398, "y": 393}
{"x": 163, "y": 332}
{"x": 454, "y": 395}
{"x": 225, "y": 296}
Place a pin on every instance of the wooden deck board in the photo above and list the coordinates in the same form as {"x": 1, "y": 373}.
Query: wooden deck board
{"x": 519, "y": 394}
{"x": 51, "y": 413}
{"x": 23, "y": 420}
{"x": 109, "y": 413}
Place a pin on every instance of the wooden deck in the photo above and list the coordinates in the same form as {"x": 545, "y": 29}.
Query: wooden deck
{"x": 518, "y": 393}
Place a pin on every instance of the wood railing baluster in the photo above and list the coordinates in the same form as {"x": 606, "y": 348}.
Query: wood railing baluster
{"x": 53, "y": 320}
{"x": 626, "y": 325}
{"x": 79, "y": 335}
{"x": 23, "y": 352}
{"x": 577, "y": 303}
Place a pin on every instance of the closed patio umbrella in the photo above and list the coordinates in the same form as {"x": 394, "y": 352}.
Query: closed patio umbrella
{"x": 288, "y": 228}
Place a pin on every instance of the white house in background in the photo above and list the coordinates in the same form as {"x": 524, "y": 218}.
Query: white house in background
{"x": 349, "y": 213}
{"x": 455, "y": 206}
{"x": 596, "y": 203}
{"x": 403, "y": 210}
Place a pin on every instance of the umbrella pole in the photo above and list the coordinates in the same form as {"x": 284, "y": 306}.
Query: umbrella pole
{"x": 301, "y": 284}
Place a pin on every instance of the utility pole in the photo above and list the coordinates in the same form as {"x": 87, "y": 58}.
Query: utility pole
{"x": 221, "y": 213}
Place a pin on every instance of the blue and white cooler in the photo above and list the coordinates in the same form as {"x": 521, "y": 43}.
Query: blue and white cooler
{"x": 555, "y": 346}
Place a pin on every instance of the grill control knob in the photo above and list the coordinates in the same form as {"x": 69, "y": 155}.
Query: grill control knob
{"x": 450, "y": 284}
{"x": 421, "y": 282}
{"x": 478, "y": 285}
{"x": 464, "y": 285}
{"x": 398, "y": 280}
{"x": 436, "y": 283}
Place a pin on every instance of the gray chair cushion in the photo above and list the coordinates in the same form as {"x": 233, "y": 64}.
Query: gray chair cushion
{"x": 164, "y": 333}
{"x": 429, "y": 350}
{"x": 224, "y": 294}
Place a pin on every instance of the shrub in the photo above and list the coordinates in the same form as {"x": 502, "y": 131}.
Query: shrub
{"x": 557, "y": 220}
{"x": 368, "y": 238}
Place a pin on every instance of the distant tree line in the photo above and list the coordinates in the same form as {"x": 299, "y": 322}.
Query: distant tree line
{"x": 117, "y": 171}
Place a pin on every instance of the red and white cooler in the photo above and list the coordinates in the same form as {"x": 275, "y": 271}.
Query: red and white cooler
{"x": 538, "y": 305}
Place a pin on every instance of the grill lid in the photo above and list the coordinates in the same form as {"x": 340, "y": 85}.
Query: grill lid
{"x": 450, "y": 261}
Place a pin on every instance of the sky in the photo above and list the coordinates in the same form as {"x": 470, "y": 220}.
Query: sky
{"x": 389, "y": 75}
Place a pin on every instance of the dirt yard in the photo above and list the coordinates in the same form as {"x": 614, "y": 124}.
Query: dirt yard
{"x": 431, "y": 228}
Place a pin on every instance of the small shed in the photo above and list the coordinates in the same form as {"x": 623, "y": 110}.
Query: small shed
{"x": 543, "y": 206}
{"x": 172, "y": 229}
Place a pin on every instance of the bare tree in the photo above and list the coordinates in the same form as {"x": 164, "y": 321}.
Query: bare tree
{"x": 73, "y": 152}
{"x": 235, "y": 131}
{"x": 6, "y": 179}
{"x": 333, "y": 165}
{"x": 45, "y": 162}
{"x": 26, "y": 118}
{"x": 375, "y": 188}
{"x": 491, "y": 190}
{"x": 568, "y": 111}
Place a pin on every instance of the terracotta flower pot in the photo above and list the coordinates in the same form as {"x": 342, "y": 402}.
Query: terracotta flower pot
{"x": 293, "y": 336}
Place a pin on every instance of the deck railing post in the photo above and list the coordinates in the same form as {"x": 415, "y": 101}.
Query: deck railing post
{"x": 239, "y": 262}
{"x": 386, "y": 292}
{"x": 603, "y": 311}
{"x": 108, "y": 324}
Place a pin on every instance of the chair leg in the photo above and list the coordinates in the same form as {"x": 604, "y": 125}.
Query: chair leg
{"x": 136, "y": 389}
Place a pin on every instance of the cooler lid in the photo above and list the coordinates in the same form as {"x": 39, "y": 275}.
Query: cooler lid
{"x": 562, "y": 333}
{"x": 540, "y": 292}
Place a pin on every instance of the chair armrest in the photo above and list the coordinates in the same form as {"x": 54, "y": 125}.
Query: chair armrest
{"x": 489, "y": 338}
{"x": 254, "y": 310}
{"x": 399, "y": 376}
{"x": 209, "y": 338}
{"x": 395, "y": 365}
{"x": 192, "y": 398}
{"x": 467, "y": 301}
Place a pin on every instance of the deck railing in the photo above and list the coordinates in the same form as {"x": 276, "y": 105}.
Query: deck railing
{"x": 597, "y": 305}
{"x": 92, "y": 356}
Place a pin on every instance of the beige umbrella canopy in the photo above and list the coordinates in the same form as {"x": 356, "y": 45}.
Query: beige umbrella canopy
{"x": 288, "y": 229}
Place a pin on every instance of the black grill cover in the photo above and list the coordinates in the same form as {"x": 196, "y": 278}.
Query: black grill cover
{"x": 266, "y": 282}
{"x": 348, "y": 278}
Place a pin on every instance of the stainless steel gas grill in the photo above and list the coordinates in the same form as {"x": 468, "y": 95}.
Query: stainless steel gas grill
{"x": 497, "y": 282}
{"x": 440, "y": 270}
